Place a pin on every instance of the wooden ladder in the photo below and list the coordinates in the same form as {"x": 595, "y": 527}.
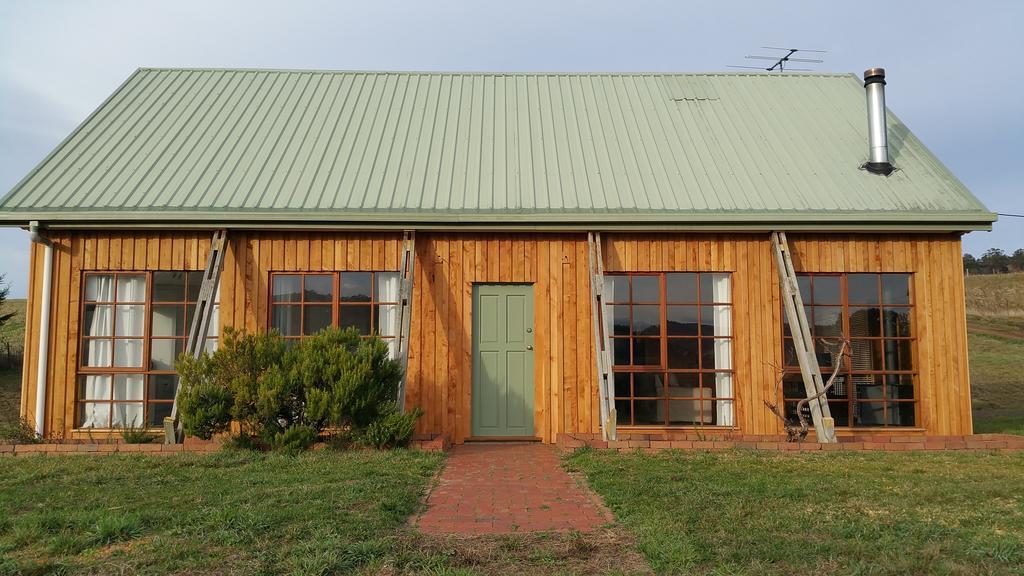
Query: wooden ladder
{"x": 200, "y": 325}
{"x": 602, "y": 348}
{"x": 814, "y": 386}
{"x": 405, "y": 309}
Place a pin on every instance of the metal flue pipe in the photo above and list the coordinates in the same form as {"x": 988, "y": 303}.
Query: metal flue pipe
{"x": 878, "y": 135}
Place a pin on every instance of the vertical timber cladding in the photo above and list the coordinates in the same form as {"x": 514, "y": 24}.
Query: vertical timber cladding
{"x": 447, "y": 266}
{"x": 940, "y": 357}
{"x": 440, "y": 357}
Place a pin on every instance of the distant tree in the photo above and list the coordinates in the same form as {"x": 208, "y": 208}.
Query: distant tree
{"x": 5, "y": 288}
{"x": 1017, "y": 260}
{"x": 970, "y": 264}
{"x": 995, "y": 261}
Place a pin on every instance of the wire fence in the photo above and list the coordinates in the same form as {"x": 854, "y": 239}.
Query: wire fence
{"x": 11, "y": 355}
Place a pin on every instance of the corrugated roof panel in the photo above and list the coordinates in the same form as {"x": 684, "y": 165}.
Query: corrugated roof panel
{"x": 269, "y": 145}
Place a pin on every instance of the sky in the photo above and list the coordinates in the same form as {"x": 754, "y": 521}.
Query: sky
{"x": 953, "y": 74}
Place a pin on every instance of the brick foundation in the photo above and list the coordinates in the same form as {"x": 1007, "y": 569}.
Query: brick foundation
{"x": 690, "y": 441}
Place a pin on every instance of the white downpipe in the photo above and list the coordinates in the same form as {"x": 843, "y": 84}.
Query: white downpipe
{"x": 44, "y": 327}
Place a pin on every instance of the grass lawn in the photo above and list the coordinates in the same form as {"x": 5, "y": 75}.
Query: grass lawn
{"x": 837, "y": 513}
{"x": 225, "y": 513}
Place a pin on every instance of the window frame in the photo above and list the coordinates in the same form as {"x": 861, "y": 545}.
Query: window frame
{"x": 663, "y": 367}
{"x": 851, "y": 401}
{"x": 336, "y": 304}
{"x": 147, "y": 338}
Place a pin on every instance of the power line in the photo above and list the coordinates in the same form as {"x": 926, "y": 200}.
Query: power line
{"x": 1010, "y": 215}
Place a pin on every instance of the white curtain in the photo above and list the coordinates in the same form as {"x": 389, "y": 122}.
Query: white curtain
{"x": 388, "y": 287}
{"x": 95, "y": 414}
{"x": 100, "y": 288}
{"x": 128, "y": 387}
{"x": 723, "y": 349}
{"x": 130, "y": 320}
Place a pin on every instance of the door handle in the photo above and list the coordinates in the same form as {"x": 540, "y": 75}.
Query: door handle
{"x": 529, "y": 346}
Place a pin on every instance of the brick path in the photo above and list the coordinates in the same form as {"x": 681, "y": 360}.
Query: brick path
{"x": 500, "y": 488}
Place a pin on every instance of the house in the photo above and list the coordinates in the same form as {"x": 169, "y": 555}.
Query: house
{"x": 584, "y": 253}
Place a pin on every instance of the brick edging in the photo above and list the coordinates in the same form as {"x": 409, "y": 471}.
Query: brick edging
{"x": 678, "y": 441}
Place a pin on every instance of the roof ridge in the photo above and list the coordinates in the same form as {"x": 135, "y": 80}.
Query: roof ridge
{"x": 489, "y": 73}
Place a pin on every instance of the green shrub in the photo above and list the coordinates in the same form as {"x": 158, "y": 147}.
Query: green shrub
{"x": 133, "y": 434}
{"x": 285, "y": 396}
{"x": 392, "y": 430}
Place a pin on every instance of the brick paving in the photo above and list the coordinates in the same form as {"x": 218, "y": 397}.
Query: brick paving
{"x": 502, "y": 488}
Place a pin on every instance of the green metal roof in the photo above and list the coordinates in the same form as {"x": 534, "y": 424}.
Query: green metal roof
{"x": 279, "y": 147}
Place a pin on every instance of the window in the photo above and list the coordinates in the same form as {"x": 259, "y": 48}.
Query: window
{"x": 671, "y": 339}
{"x": 131, "y": 337}
{"x": 304, "y": 304}
{"x": 875, "y": 386}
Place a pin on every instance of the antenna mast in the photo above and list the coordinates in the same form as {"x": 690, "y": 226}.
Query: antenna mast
{"x": 781, "y": 62}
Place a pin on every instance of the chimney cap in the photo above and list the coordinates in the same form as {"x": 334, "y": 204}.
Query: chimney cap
{"x": 872, "y": 72}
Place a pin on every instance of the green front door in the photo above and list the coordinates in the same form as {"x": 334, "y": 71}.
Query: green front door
{"x": 502, "y": 360}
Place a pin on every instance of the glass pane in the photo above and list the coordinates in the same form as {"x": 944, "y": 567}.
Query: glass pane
{"x": 169, "y": 286}
{"x": 827, "y": 353}
{"x": 129, "y": 386}
{"x": 683, "y": 353}
{"x": 214, "y": 327}
{"x": 129, "y": 320}
{"x": 707, "y": 320}
{"x": 862, "y": 288}
{"x": 128, "y": 353}
{"x": 840, "y": 388}
{"x": 646, "y": 412}
{"x": 195, "y": 284}
{"x": 619, "y": 287}
{"x": 287, "y": 288}
{"x": 827, "y": 290}
{"x": 827, "y": 321}
{"x": 623, "y": 412}
{"x": 286, "y": 319}
{"x": 319, "y": 287}
{"x": 715, "y": 353}
{"x": 168, "y": 320}
{"x": 358, "y": 316}
{"x": 386, "y": 320}
{"x": 900, "y": 414}
{"x": 683, "y": 385}
{"x": 681, "y": 320}
{"x": 94, "y": 387}
{"x": 388, "y": 284}
{"x": 622, "y": 384}
{"x": 648, "y": 385}
{"x": 161, "y": 386}
{"x": 646, "y": 320}
{"x": 869, "y": 414}
{"x": 804, "y": 284}
{"x": 646, "y": 351}
{"x": 786, "y": 331}
{"x": 646, "y": 289}
{"x": 620, "y": 351}
{"x": 127, "y": 414}
{"x": 899, "y": 387}
{"x": 789, "y": 357}
{"x": 707, "y": 288}
{"x": 94, "y": 415}
{"x": 720, "y": 412}
{"x": 865, "y": 355}
{"x": 99, "y": 287}
{"x": 840, "y": 413}
{"x": 315, "y": 319}
{"x": 157, "y": 413}
{"x": 896, "y": 322}
{"x": 897, "y": 355}
{"x": 685, "y": 412}
{"x": 211, "y": 345}
{"x": 865, "y": 322}
{"x": 164, "y": 353}
{"x": 98, "y": 320}
{"x": 868, "y": 386}
{"x": 356, "y": 287}
{"x": 793, "y": 387}
{"x": 896, "y": 288}
{"x": 96, "y": 353}
{"x": 131, "y": 288}
{"x": 620, "y": 319}
{"x": 681, "y": 287}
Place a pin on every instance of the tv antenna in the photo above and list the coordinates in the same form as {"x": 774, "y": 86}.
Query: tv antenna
{"x": 781, "y": 63}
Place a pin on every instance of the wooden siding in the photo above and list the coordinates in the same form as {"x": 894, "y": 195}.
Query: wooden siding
{"x": 448, "y": 264}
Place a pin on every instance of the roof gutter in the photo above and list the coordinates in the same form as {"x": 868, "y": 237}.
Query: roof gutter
{"x": 44, "y": 326}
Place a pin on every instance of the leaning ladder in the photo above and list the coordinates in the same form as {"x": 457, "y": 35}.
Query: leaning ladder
{"x": 405, "y": 309}
{"x": 814, "y": 386}
{"x": 601, "y": 344}
{"x": 200, "y": 325}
